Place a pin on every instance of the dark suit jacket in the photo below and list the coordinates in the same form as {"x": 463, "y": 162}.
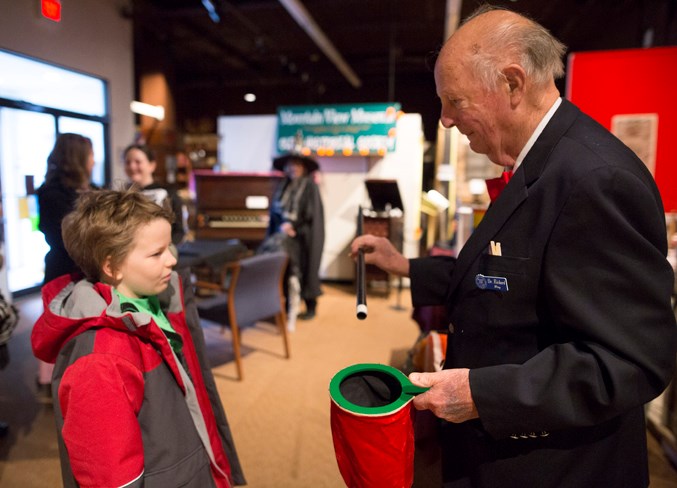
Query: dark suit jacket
{"x": 564, "y": 360}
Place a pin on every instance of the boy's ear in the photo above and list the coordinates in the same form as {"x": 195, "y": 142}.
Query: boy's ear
{"x": 108, "y": 270}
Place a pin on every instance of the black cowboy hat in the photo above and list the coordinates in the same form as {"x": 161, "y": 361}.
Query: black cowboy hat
{"x": 309, "y": 163}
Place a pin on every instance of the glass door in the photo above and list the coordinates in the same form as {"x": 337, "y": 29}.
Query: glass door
{"x": 26, "y": 139}
{"x": 37, "y": 101}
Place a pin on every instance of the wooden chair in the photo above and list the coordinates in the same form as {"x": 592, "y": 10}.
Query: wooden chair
{"x": 254, "y": 291}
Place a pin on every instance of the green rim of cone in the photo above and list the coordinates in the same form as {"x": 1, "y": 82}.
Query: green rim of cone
{"x": 408, "y": 390}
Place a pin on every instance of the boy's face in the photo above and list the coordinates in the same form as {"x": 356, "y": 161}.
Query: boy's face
{"x": 146, "y": 269}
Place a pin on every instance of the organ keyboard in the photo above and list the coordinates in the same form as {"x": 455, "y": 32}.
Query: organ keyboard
{"x": 238, "y": 220}
{"x": 234, "y": 205}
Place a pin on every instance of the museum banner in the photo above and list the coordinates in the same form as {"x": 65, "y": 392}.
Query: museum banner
{"x": 338, "y": 130}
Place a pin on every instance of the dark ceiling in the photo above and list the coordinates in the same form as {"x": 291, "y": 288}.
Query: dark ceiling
{"x": 389, "y": 45}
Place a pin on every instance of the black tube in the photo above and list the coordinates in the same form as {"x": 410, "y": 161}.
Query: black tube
{"x": 361, "y": 290}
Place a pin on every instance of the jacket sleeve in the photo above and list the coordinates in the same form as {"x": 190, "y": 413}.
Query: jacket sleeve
{"x": 430, "y": 277}
{"x": 604, "y": 292}
{"x": 100, "y": 396}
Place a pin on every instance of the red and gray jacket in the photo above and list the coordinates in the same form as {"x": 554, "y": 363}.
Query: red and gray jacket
{"x": 129, "y": 412}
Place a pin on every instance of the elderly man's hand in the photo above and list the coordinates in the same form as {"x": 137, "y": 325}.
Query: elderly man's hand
{"x": 449, "y": 396}
{"x": 380, "y": 252}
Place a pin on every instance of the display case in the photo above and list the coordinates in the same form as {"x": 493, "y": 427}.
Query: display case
{"x": 384, "y": 218}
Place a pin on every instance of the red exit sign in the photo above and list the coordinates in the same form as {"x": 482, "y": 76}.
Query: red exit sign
{"x": 51, "y": 9}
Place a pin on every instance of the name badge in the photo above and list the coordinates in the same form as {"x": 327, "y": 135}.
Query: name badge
{"x": 497, "y": 283}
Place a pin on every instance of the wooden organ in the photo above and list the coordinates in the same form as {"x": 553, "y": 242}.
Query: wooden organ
{"x": 234, "y": 205}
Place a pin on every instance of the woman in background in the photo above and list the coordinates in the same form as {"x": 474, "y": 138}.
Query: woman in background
{"x": 69, "y": 171}
{"x": 297, "y": 212}
{"x": 140, "y": 165}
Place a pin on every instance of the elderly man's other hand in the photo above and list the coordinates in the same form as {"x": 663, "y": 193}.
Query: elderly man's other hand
{"x": 449, "y": 396}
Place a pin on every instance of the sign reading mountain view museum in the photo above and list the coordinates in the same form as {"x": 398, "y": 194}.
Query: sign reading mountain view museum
{"x": 341, "y": 130}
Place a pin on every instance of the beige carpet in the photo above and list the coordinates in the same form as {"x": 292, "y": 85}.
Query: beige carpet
{"x": 280, "y": 412}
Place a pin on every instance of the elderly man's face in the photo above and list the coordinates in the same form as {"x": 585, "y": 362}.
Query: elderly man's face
{"x": 477, "y": 112}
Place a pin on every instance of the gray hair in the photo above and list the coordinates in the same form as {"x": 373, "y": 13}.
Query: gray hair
{"x": 527, "y": 42}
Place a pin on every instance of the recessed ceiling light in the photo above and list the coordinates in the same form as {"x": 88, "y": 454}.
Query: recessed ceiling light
{"x": 249, "y": 97}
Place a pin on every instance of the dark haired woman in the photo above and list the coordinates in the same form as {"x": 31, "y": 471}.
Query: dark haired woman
{"x": 69, "y": 171}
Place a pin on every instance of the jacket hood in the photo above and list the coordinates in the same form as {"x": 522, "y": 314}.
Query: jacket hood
{"x": 71, "y": 304}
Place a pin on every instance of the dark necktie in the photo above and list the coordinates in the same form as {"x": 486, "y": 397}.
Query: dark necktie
{"x": 495, "y": 185}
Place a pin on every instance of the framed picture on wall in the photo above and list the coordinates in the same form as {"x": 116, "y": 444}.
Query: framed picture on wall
{"x": 640, "y": 133}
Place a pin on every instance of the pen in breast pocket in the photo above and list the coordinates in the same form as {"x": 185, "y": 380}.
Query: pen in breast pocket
{"x": 495, "y": 248}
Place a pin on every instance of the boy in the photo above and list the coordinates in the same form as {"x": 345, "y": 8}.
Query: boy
{"x": 132, "y": 409}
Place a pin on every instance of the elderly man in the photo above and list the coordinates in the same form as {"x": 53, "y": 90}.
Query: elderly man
{"x": 560, "y": 323}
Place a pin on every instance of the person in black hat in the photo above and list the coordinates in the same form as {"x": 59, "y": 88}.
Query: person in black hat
{"x": 297, "y": 214}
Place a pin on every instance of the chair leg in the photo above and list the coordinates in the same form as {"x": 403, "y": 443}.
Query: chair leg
{"x": 281, "y": 324}
{"x": 236, "y": 350}
{"x": 235, "y": 330}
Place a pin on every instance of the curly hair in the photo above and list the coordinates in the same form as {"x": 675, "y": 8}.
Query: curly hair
{"x": 67, "y": 163}
{"x": 104, "y": 224}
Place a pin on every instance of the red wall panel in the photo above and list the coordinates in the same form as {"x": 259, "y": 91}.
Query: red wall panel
{"x": 632, "y": 81}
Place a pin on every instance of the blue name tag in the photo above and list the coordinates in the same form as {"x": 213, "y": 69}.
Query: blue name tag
{"x": 498, "y": 283}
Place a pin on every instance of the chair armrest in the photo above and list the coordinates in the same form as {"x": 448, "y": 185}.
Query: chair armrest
{"x": 225, "y": 279}
{"x": 208, "y": 285}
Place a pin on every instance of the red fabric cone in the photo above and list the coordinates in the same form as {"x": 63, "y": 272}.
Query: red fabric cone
{"x": 374, "y": 451}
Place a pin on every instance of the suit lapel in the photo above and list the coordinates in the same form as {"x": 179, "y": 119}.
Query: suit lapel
{"x": 509, "y": 199}
{"x": 515, "y": 192}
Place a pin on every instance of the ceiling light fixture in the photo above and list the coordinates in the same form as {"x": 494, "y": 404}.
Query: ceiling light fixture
{"x": 249, "y": 97}
{"x": 211, "y": 10}
{"x": 297, "y": 10}
{"x": 155, "y": 111}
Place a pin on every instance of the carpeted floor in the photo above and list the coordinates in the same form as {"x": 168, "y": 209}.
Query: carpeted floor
{"x": 279, "y": 413}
